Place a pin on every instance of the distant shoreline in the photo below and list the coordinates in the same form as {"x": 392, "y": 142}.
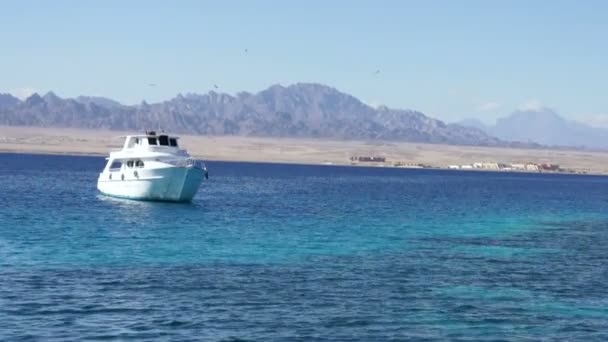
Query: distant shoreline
{"x": 81, "y": 142}
{"x": 86, "y": 154}
{"x": 46, "y": 153}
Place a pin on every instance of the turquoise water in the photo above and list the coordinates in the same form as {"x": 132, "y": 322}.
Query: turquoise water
{"x": 280, "y": 252}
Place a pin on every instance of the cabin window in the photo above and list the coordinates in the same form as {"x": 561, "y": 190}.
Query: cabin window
{"x": 163, "y": 140}
{"x": 136, "y": 141}
{"x": 173, "y": 142}
{"x": 116, "y": 165}
{"x": 139, "y": 163}
{"x": 130, "y": 163}
{"x": 151, "y": 141}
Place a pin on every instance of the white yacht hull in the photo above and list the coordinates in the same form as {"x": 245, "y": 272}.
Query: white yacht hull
{"x": 175, "y": 184}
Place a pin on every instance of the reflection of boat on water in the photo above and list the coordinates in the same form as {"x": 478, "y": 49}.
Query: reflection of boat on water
{"x": 152, "y": 167}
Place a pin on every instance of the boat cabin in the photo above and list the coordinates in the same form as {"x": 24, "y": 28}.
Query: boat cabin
{"x": 150, "y": 139}
{"x": 118, "y": 165}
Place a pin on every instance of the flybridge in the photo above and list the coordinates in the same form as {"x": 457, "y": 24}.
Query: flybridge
{"x": 150, "y": 139}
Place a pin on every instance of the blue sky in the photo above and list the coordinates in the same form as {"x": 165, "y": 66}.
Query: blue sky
{"x": 449, "y": 59}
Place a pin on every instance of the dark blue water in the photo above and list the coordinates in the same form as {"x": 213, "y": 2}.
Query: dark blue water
{"x": 281, "y": 252}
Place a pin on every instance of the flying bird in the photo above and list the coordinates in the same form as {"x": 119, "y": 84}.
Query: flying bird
{"x": 215, "y": 86}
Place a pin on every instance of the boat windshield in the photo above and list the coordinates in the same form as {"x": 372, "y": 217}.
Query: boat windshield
{"x": 115, "y": 165}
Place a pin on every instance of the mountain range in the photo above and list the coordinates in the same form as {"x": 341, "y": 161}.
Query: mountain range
{"x": 299, "y": 110}
{"x": 543, "y": 126}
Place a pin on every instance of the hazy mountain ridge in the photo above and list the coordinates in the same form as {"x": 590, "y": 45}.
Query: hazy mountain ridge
{"x": 299, "y": 110}
{"x": 543, "y": 126}
{"x": 98, "y": 100}
{"x": 8, "y": 101}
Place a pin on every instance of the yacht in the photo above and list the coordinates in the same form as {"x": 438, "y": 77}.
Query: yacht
{"x": 152, "y": 167}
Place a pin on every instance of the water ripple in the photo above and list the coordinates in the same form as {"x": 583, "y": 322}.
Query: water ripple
{"x": 279, "y": 252}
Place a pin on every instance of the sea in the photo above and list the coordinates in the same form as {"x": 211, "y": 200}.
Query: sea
{"x": 275, "y": 252}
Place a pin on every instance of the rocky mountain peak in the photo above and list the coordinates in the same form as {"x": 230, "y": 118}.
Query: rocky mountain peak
{"x": 34, "y": 100}
{"x": 8, "y": 100}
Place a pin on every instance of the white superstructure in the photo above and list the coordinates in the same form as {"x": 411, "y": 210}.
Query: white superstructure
{"x": 152, "y": 167}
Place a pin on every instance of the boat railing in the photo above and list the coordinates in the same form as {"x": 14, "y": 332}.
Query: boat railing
{"x": 189, "y": 162}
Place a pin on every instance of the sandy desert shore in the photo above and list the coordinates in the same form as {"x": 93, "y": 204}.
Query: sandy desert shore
{"x": 303, "y": 151}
